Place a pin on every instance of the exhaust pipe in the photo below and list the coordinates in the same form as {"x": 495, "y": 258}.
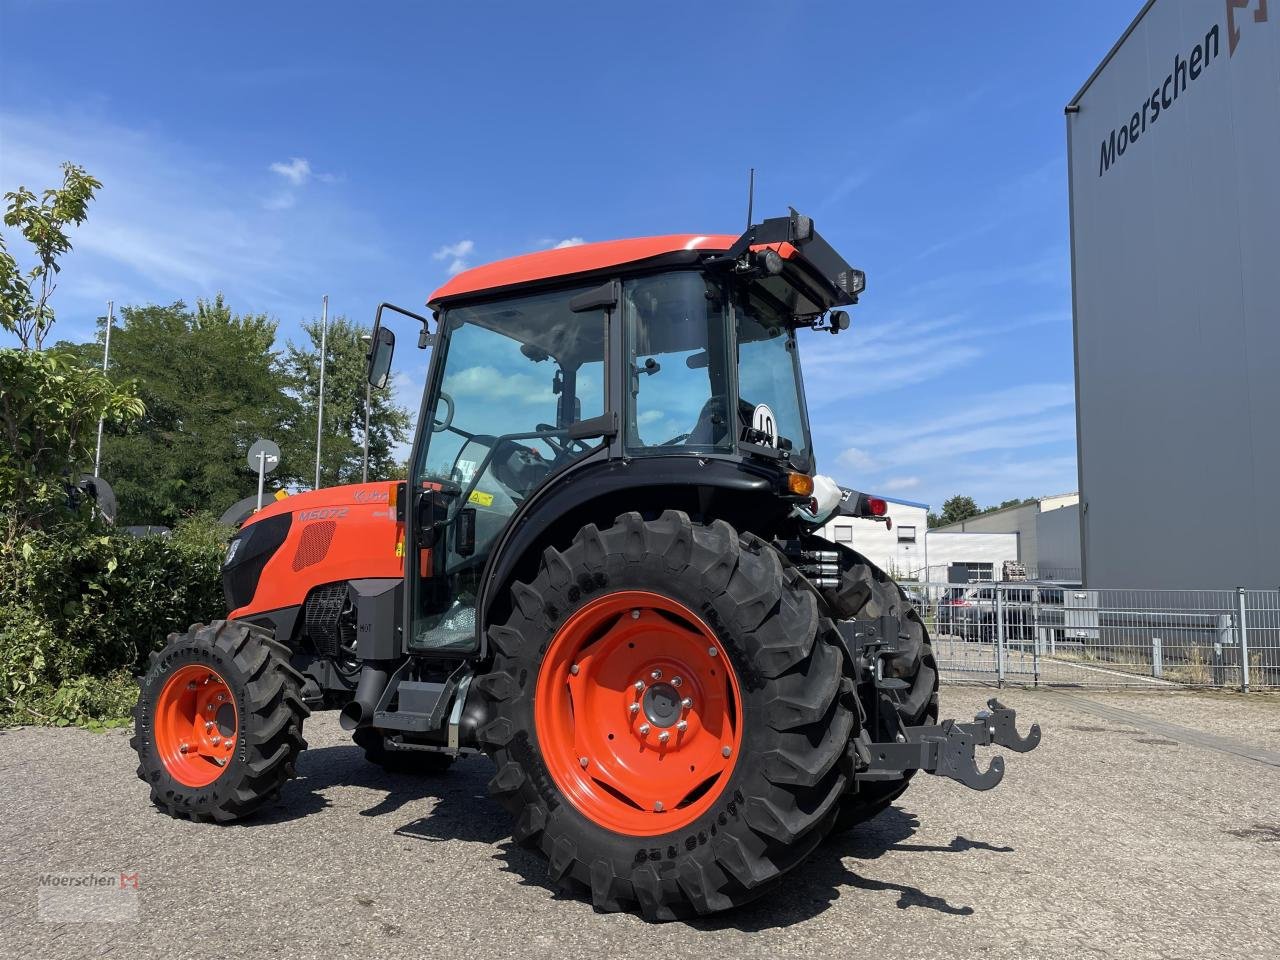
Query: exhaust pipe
{"x": 373, "y": 681}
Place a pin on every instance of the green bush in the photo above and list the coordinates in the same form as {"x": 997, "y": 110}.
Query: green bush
{"x": 82, "y": 607}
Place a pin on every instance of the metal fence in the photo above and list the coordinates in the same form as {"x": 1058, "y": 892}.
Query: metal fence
{"x": 1037, "y": 634}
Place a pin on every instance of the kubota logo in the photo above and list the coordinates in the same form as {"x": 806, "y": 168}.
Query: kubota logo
{"x": 1233, "y": 32}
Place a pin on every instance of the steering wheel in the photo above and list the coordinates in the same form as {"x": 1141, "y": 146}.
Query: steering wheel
{"x": 518, "y": 467}
{"x": 438, "y": 426}
{"x": 560, "y": 447}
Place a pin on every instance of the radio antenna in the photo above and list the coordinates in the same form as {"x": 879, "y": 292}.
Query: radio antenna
{"x": 751, "y": 194}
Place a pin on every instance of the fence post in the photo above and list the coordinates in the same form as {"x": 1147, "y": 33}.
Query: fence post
{"x": 1243, "y": 628}
{"x": 999, "y": 635}
{"x": 1157, "y": 658}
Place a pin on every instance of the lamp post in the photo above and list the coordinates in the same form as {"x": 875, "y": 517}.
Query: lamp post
{"x": 324, "y": 333}
{"x": 106, "y": 354}
{"x": 364, "y": 473}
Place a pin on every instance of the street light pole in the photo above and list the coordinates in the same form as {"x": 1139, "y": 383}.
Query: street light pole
{"x": 106, "y": 354}
{"x": 364, "y": 473}
{"x": 324, "y": 334}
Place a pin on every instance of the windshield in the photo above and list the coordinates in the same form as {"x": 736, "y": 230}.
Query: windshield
{"x": 769, "y": 381}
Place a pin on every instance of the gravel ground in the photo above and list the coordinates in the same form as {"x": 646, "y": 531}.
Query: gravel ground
{"x": 1115, "y": 839}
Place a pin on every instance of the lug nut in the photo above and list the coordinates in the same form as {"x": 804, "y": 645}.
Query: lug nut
{"x": 209, "y": 707}
{"x": 644, "y": 729}
{"x": 574, "y": 669}
{"x": 686, "y": 703}
{"x": 221, "y": 697}
{"x": 657, "y": 806}
{"x": 664, "y": 736}
{"x": 191, "y": 685}
{"x": 656, "y": 675}
{"x": 227, "y": 744}
{"x": 725, "y": 751}
{"x": 639, "y": 685}
{"x": 682, "y": 726}
{"x": 712, "y": 652}
{"x": 676, "y": 681}
{"x": 183, "y": 749}
{"x": 216, "y": 740}
{"x": 635, "y": 614}
{"x": 208, "y": 725}
{"x": 583, "y": 762}
{"x": 634, "y": 708}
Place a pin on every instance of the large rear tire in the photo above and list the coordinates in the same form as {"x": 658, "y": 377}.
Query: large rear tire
{"x": 867, "y": 592}
{"x": 708, "y": 817}
{"x": 218, "y": 725}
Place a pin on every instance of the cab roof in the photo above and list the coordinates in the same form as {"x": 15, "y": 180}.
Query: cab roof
{"x": 568, "y": 261}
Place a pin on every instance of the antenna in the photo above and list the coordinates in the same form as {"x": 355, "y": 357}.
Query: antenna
{"x": 751, "y": 194}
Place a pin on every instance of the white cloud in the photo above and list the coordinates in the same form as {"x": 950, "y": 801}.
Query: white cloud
{"x": 172, "y": 223}
{"x": 457, "y": 254}
{"x": 856, "y": 459}
{"x": 900, "y": 484}
{"x": 569, "y": 242}
{"x": 297, "y": 171}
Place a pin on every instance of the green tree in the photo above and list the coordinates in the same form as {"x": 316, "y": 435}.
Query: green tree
{"x": 954, "y": 510}
{"x": 43, "y": 222}
{"x": 49, "y": 410}
{"x": 342, "y": 449}
{"x": 212, "y": 384}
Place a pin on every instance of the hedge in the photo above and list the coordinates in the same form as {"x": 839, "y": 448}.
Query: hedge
{"x": 81, "y": 608}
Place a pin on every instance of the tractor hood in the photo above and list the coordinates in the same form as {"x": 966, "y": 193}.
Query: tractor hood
{"x": 305, "y": 506}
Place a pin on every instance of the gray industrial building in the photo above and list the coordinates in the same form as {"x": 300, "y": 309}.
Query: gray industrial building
{"x": 1174, "y": 157}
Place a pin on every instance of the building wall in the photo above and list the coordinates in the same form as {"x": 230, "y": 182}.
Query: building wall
{"x": 968, "y": 548}
{"x": 1022, "y": 521}
{"x": 1058, "y": 544}
{"x": 1177, "y": 338}
{"x": 886, "y": 548}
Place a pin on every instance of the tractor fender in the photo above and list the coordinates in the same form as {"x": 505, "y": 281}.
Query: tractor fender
{"x": 596, "y": 491}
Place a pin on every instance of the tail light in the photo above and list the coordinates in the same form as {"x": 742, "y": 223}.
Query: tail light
{"x": 877, "y": 506}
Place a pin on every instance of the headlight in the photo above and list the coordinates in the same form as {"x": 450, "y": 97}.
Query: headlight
{"x": 231, "y": 552}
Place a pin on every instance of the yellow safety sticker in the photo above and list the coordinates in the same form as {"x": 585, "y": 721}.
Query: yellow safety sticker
{"x": 480, "y": 498}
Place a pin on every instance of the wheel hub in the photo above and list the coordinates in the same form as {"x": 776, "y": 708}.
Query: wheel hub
{"x": 661, "y": 704}
{"x": 637, "y": 713}
{"x": 195, "y": 725}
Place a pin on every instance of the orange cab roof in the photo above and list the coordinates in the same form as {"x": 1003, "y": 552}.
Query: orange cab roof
{"x": 566, "y": 261}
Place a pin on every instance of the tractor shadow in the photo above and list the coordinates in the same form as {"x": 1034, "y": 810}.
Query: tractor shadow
{"x": 463, "y": 812}
{"x": 323, "y": 768}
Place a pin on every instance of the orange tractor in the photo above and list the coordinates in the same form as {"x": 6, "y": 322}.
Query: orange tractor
{"x": 602, "y": 572}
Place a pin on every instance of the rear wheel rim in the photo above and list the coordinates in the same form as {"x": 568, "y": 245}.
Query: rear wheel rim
{"x": 638, "y": 713}
{"x": 196, "y": 725}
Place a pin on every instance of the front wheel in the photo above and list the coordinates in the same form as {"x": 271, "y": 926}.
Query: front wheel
{"x": 218, "y": 725}
{"x": 670, "y": 716}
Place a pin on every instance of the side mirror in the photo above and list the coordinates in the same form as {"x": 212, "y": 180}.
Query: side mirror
{"x": 380, "y": 351}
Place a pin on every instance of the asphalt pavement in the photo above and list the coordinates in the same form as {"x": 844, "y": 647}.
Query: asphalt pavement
{"x": 1146, "y": 825}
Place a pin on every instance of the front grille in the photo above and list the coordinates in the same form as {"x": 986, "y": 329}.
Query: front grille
{"x": 323, "y": 613}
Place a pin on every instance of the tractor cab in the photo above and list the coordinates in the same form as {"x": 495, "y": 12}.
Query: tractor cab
{"x": 675, "y": 352}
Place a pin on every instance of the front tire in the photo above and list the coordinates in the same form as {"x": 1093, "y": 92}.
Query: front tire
{"x": 767, "y": 722}
{"x": 218, "y": 725}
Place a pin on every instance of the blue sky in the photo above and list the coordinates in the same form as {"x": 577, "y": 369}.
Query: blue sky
{"x": 277, "y": 152}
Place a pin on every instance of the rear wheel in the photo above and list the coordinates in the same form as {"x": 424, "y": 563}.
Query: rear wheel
{"x": 867, "y": 592}
{"x": 669, "y": 717}
{"x": 218, "y": 725}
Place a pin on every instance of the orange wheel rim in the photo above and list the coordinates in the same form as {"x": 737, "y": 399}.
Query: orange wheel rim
{"x": 196, "y": 725}
{"x": 638, "y": 713}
